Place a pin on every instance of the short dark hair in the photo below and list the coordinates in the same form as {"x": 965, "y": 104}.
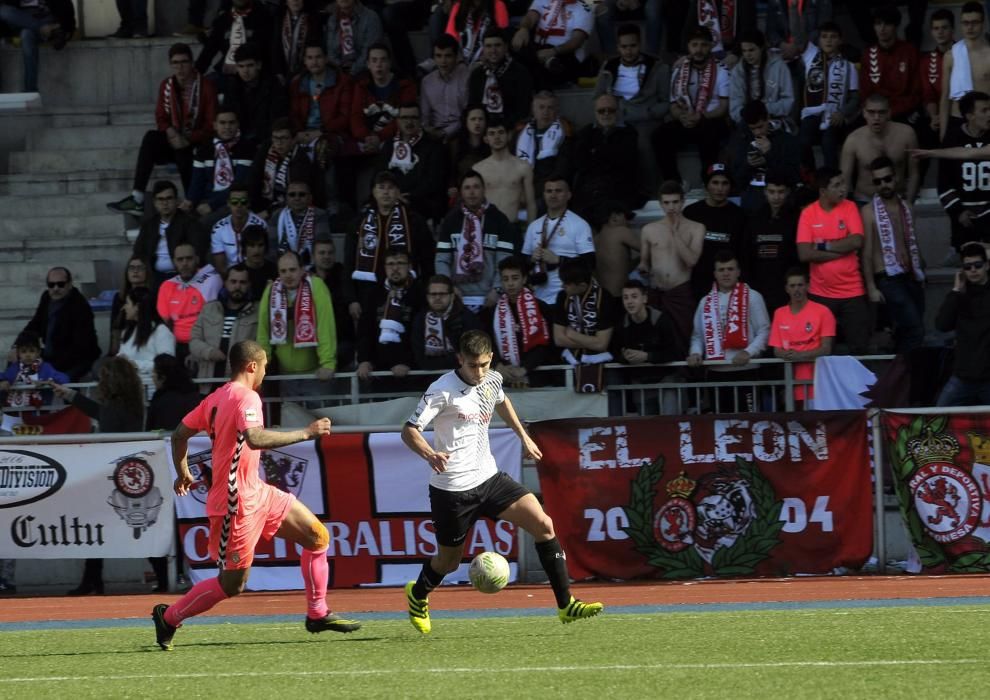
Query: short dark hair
{"x": 248, "y": 52}
{"x": 671, "y": 187}
{"x": 796, "y": 271}
{"x": 830, "y": 26}
{"x": 881, "y": 162}
{"x": 243, "y": 353}
{"x": 28, "y": 339}
{"x": 440, "y": 279}
{"x": 496, "y": 33}
{"x": 396, "y": 252}
{"x": 973, "y": 250}
{"x": 698, "y": 32}
{"x": 887, "y": 14}
{"x": 383, "y": 176}
{"x": 379, "y": 46}
{"x": 972, "y": 7}
{"x": 724, "y": 255}
{"x": 162, "y": 185}
{"x": 470, "y": 174}
{"x": 411, "y": 104}
{"x": 627, "y": 29}
{"x": 252, "y": 234}
{"x": 779, "y": 177}
{"x": 574, "y": 271}
{"x": 754, "y": 111}
{"x": 943, "y": 14}
{"x": 824, "y": 175}
{"x": 315, "y": 43}
{"x": 281, "y": 124}
{"x": 754, "y": 36}
{"x": 636, "y": 284}
{"x": 557, "y": 176}
{"x": 179, "y": 49}
{"x": 495, "y": 121}
{"x": 239, "y": 267}
{"x": 238, "y": 186}
{"x": 967, "y": 103}
{"x": 446, "y": 41}
{"x": 514, "y": 262}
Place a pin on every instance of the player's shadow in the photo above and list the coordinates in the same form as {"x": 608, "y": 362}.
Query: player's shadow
{"x": 186, "y": 645}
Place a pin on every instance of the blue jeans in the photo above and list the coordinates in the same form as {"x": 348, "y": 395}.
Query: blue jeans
{"x": 960, "y": 392}
{"x": 30, "y": 26}
{"x": 905, "y": 299}
{"x": 605, "y": 26}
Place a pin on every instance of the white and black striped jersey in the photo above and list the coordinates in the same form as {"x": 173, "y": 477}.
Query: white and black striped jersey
{"x": 964, "y": 184}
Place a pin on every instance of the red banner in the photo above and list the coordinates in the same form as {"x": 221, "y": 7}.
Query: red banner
{"x": 687, "y": 497}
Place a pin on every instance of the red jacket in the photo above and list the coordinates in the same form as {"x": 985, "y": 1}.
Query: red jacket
{"x": 893, "y": 74}
{"x": 367, "y": 112}
{"x": 202, "y": 128}
{"x": 335, "y": 105}
{"x": 931, "y": 76}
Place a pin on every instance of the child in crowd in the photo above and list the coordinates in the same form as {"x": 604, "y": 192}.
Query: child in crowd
{"x": 29, "y": 369}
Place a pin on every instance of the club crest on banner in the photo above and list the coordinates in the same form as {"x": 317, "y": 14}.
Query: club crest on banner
{"x": 282, "y": 470}
{"x": 135, "y": 498}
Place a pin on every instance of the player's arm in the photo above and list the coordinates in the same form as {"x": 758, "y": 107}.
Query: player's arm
{"x": 507, "y": 413}
{"x": 263, "y": 439}
{"x": 412, "y": 436}
{"x": 180, "y": 450}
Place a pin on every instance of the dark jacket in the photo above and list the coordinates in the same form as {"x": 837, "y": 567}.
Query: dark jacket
{"x": 423, "y": 248}
{"x": 968, "y": 314}
{"x": 257, "y": 105}
{"x": 384, "y": 356}
{"x": 72, "y": 346}
{"x": 454, "y": 327}
{"x": 426, "y": 182}
{"x": 606, "y": 166}
{"x": 342, "y": 295}
{"x": 183, "y": 229}
{"x": 516, "y": 85}
{"x": 300, "y": 166}
{"x": 169, "y": 406}
{"x": 784, "y": 157}
{"x": 257, "y": 24}
{"x": 279, "y": 65}
{"x": 770, "y": 250}
{"x": 656, "y": 336}
{"x": 111, "y": 417}
{"x": 201, "y": 186}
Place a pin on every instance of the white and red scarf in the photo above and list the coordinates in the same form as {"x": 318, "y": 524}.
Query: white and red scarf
{"x": 391, "y": 326}
{"x": 25, "y": 398}
{"x": 472, "y": 34}
{"x": 469, "y": 257}
{"x": 720, "y": 19}
{"x": 238, "y": 37}
{"x": 888, "y": 246}
{"x": 532, "y": 328}
{"x": 294, "y": 32}
{"x": 345, "y": 26}
{"x": 554, "y": 21}
{"x": 734, "y": 334}
{"x": 182, "y": 115}
{"x": 550, "y": 143}
{"x": 404, "y": 158}
{"x": 395, "y": 232}
{"x": 491, "y": 95}
{"x": 304, "y": 315}
{"x": 706, "y": 84}
{"x": 296, "y": 238}
{"x": 223, "y": 164}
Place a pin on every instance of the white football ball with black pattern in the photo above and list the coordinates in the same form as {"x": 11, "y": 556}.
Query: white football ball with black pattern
{"x": 489, "y": 572}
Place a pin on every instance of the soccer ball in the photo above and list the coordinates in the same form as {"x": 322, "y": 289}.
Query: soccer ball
{"x": 489, "y": 572}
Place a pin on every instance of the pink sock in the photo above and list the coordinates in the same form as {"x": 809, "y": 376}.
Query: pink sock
{"x": 316, "y": 574}
{"x": 200, "y": 598}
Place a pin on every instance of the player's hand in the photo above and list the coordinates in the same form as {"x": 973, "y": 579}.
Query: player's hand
{"x": 530, "y": 449}
{"x": 182, "y": 483}
{"x": 438, "y": 461}
{"x": 318, "y": 427}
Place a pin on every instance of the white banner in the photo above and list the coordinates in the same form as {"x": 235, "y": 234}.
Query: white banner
{"x": 72, "y": 501}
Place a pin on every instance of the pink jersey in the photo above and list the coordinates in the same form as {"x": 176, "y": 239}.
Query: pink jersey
{"x": 225, "y": 415}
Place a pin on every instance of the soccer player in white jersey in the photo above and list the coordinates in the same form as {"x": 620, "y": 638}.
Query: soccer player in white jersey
{"x": 466, "y": 483}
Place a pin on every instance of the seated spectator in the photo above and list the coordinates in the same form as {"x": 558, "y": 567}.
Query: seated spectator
{"x": 274, "y": 163}
{"x": 346, "y": 309}
{"x": 831, "y": 96}
{"x": 443, "y": 91}
{"x": 136, "y": 274}
{"x": 474, "y": 238}
{"x": 801, "y": 331}
{"x": 763, "y": 77}
{"x": 555, "y": 237}
{"x": 521, "y": 326}
{"x": 296, "y": 226}
{"x": 768, "y": 244}
{"x": 627, "y": 11}
{"x": 161, "y": 233}
{"x": 583, "y": 323}
{"x": 436, "y": 331}
{"x": 641, "y": 84}
{"x": 551, "y": 41}
{"x": 297, "y": 329}
{"x": 605, "y": 160}
{"x": 217, "y": 166}
{"x": 723, "y": 221}
{"x": 253, "y": 95}
{"x": 53, "y": 21}
{"x": 144, "y": 336}
{"x": 502, "y": 85}
{"x": 184, "y": 118}
{"x": 261, "y": 269}
{"x": 616, "y": 245}
{"x": 965, "y": 311}
{"x": 791, "y": 28}
{"x": 224, "y": 322}
{"x": 351, "y": 29}
{"x": 29, "y": 369}
{"x": 725, "y": 21}
{"x": 468, "y": 147}
{"x": 182, "y": 298}
{"x": 64, "y": 322}
{"x": 731, "y": 323}
{"x": 376, "y": 101}
{"x": 508, "y": 178}
{"x": 246, "y": 21}
{"x": 296, "y": 27}
{"x": 419, "y": 164}
{"x": 320, "y": 113}
{"x": 470, "y": 21}
{"x": 699, "y": 103}
{"x": 225, "y": 239}
{"x": 386, "y": 319}
{"x": 757, "y": 145}
{"x": 543, "y": 141}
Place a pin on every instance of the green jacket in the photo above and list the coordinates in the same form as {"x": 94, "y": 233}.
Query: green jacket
{"x": 293, "y": 360}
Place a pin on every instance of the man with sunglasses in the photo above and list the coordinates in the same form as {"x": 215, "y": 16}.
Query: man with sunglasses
{"x": 966, "y": 310}
{"x": 298, "y": 224}
{"x": 225, "y": 238}
{"x": 881, "y": 136}
{"x": 64, "y": 322}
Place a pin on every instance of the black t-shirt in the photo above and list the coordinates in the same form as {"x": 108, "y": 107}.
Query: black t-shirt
{"x": 606, "y": 311}
{"x": 723, "y": 229}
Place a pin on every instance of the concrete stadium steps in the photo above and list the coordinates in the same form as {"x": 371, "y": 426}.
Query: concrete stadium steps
{"x": 59, "y": 227}
{"x": 102, "y": 182}
{"x": 80, "y": 137}
{"x": 17, "y": 207}
{"x": 80, "y": 160}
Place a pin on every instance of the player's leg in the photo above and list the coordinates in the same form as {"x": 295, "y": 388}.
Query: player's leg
{"x": 299, "y": 525}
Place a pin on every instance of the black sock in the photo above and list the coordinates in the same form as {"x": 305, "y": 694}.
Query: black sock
{"x": 427, "y": 581}
{"x": 554, "y": 562}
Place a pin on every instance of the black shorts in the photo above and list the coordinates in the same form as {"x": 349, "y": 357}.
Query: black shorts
{"x": 454, "y": 512}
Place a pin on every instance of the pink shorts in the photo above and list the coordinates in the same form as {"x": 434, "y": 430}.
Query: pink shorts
{"x": 247, "y": 530}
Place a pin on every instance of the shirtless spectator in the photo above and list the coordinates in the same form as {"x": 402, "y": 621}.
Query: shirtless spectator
{"x": 616, "y": 245}
{"x": 499, "y": 82}
{"x": 933, "y": 68}
{"x": 217, "y": 165}
{"x": 225, "y": 238}
{"x": 350, "y": 30}
{"x": 891, "y": 68}
{"x": 182, "y": 298}
{"x": 880, "y": 137}
{"x": 544, "y": 139}
{"x": 299, "y": 224}
{"x": 508, "y": 179}
{"x": 892, "y": 266}
{"x": 551, "y": 40}
{"x": 670, "y": 248}
{"x": 724, "y": 222}
{"x": 966, "y": 67}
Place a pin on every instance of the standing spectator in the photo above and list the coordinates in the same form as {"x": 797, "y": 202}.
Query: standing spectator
{"x": 296, "y": 328}
{"x": 246, "y": 21}
{"x": 584, "y": 319}
{"x": 801, "y": 332}
{"x": 351, "y": 30}
{"x": 436, "y": 330}
{"x": 320, "y": 112}
{"x": 144, "y": 336}
{"x": 53, "y": 21}
{"x": 223, "y": 322}
{"x": 133, "y": 19}
{"x": 508, "y": 178}
{"x": 792, "y": 27}
{"x": 217, "y": 166}
{"x": 184, "y": 118}
{"x": 346, "y": 309}
{"x": 764, "y": 77}
{"x": 297, "y": 226}
{"x": 500, "y": 83}
{"x": 161, "y": 233}
{"x": 64, "y": 322}
{"x": 29, "y": 369}
{"x": 377, "y": 97}
{"x": 699, "y": 102}
{"x": 892, "y": 266}
{"x": 261, "y": 269}
{"x": 757, "y": 145}
{"x": 544, "y": 139}
{"x": 942, "y": 24}
{"x": 558, "y": 235}
{"x": 474, "y": 238}
{"x": 468, "y": 147}
{"x": 296, "y": 27}
{"x": 966, "y": 310}
{"x": 252, "y": 94}
{"x": 723, "y": 221}
{"x": 967, "y": 64}
{"x": 274, "y": 163}
{"x": 551, "y": 41}
{"x": 891, "y": 68}
{"x": 521, "y": 326}
{"x": 880, "y": 136}
{"x": 225, "y": 239}
{"x": 726, "y": 21}
{"x": 470, "y": 21}
{"x": 418, "y": 163}
{"x": 443, "y": 93}
{"x": 830, "y": 231}
{"x": 136, "y": 274}
{"x": 616, "y": 245}
{"x": 769, "y": 241}
{"x": 196, "y": 18}
{"x": 182, "y": 298}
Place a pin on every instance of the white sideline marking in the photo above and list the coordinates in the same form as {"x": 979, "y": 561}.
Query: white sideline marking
{"x": 526, "y": 669}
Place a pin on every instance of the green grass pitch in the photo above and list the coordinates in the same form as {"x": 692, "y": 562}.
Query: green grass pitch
{"x": 895, "y": 652}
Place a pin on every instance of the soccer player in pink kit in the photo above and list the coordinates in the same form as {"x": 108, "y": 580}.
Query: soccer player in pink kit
{"x": 241, "y": 507}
